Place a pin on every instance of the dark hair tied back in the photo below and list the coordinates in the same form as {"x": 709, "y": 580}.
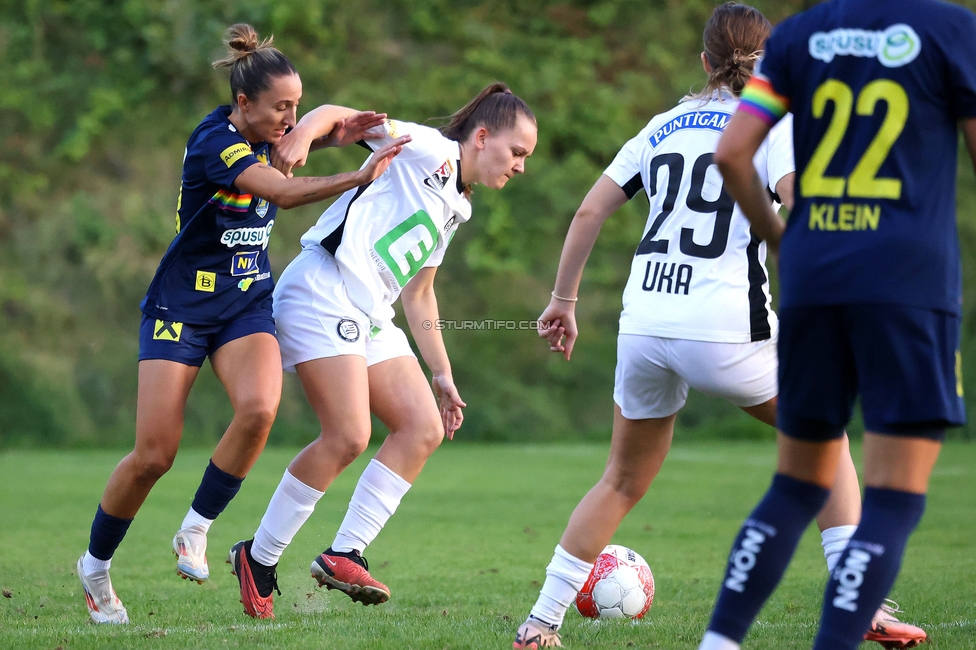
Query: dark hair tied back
{"x": 734, "y": 37}
{"x": 253, "y": 63}
{"x": 496, "y": 108}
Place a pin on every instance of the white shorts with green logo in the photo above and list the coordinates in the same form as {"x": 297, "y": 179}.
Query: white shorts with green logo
{"x": 315, "y": 318}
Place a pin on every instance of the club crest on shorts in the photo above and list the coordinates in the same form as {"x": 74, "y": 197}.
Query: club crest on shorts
{"x": 348, "y": 330}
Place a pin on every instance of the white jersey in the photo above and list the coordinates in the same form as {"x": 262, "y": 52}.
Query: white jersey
{"x": 381, "y": 234}
{"x": 698, "y": 272}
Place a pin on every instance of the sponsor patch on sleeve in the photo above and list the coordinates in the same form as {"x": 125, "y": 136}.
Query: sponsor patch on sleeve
{"x": 235, "y": 152}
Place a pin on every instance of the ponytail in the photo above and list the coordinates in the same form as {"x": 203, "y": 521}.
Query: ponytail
{"x": 253, "y": 63}
{"x": 733, "y": 38}
{"x": 496, "y": 108}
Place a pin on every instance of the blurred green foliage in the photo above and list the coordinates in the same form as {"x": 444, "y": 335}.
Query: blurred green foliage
{"x": 99, "y": 98}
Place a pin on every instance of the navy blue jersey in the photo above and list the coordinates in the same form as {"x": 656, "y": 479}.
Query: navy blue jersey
{"x": 217, "y": 266}
{"x": 876, "y": 90}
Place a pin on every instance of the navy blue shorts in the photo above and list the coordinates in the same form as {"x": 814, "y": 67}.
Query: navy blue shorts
{"x": 191, "y": 344}
{"x": 903, "y": 362}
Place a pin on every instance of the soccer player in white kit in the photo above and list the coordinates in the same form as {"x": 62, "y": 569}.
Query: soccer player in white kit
{"x": 333, "y": 307}
{"x": 696, "y": 308}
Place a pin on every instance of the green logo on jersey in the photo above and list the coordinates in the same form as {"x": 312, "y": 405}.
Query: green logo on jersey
{"x": 407, "y": 247}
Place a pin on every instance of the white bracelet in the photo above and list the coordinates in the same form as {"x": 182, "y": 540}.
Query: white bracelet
{"x": 564, "y": 299}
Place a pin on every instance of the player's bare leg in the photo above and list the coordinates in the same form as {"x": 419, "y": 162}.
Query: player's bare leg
{"x": 162, "y": 393}
{"x": 163, "y": 389}
{"x": 400, "y": 396}
{"x": 402, "y": 399}
{"x": 337, "y": 390}
{"x": 903, "y": 464}
{"x": 844, "y": 505}
{"x": 837, "y": 522}
{"x": 637, "y": 451}
{"x": 249, "y": 368}
{"x": 765, "y": 544}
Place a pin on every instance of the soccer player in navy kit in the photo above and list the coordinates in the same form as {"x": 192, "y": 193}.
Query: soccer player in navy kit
{"x": 211, "y": 296}
{"x": 697, "y": 311}
{"x": 871, "y": 285}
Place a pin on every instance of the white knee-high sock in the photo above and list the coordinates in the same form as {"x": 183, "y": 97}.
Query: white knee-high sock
{"x": 834, "y": 542}
{"x": 290, "y": 507}
{"x": 565, "y": 576}
{"x": 374, "y": 501}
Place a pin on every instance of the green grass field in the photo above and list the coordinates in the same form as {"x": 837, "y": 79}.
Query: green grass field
{"x": 464, "y": 556}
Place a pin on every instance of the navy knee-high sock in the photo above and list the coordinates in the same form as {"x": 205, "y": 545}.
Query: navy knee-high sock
{"x": 216, "y": 490}
{"x": 868, "y": 567}
{"x": 762, "y": 552}
{"x": 107, "y": 533}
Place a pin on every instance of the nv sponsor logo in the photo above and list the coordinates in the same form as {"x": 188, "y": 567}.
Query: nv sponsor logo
{"x": 259, "y": 236}
{"x": 743, "y": 559}
{"x": 244, "y": 263}
{"x": 849, "y": 578}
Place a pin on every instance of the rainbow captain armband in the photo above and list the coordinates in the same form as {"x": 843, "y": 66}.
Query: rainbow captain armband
{"x": 759, "y": 99}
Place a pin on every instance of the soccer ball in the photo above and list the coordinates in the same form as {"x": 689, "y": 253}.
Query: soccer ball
{"x": 620, "y": 586}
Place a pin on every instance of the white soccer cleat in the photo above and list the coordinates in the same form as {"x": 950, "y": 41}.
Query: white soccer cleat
{"x": 190, "y": 549}
{"x": 534, "y": 634}
{"x": 103, "y": 605}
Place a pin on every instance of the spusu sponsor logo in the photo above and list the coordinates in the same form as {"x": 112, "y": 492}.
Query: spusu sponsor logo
{"x": 259, "y": 236}
{"x": 894, "y": 47}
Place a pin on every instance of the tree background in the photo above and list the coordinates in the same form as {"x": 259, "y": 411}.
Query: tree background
{"x": 98, "y": 99}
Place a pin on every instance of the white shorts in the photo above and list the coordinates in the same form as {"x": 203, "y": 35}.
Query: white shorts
{"x": 653, "y": 374}
{"x": 315, "y": 318}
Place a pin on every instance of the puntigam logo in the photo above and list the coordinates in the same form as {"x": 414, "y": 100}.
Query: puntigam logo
{"x": 894, "y": 47}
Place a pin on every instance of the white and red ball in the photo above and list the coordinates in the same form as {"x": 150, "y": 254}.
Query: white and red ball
{"x": 620, "y": 586}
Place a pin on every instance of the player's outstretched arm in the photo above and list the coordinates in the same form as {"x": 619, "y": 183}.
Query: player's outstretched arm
{"x": 325, "y": 126}
{"x": 558, "y": 321}
{"x": 420, "y": 308}
{"x": 740, "y": 141}
{"x": 270, "y": 184}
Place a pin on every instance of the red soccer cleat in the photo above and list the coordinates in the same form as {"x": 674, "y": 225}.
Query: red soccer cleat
{"x": 348, "y": 572}
{"x": 887, "y": 630}
{"x": 255, "y": 579}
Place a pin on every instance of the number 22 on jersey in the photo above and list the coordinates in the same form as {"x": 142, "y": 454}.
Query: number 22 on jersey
{"x": 863, "y": 181}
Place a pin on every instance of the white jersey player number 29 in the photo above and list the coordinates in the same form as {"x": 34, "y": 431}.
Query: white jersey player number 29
{"x": 722, "y": 207}
{"x": 698, "y": 272}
